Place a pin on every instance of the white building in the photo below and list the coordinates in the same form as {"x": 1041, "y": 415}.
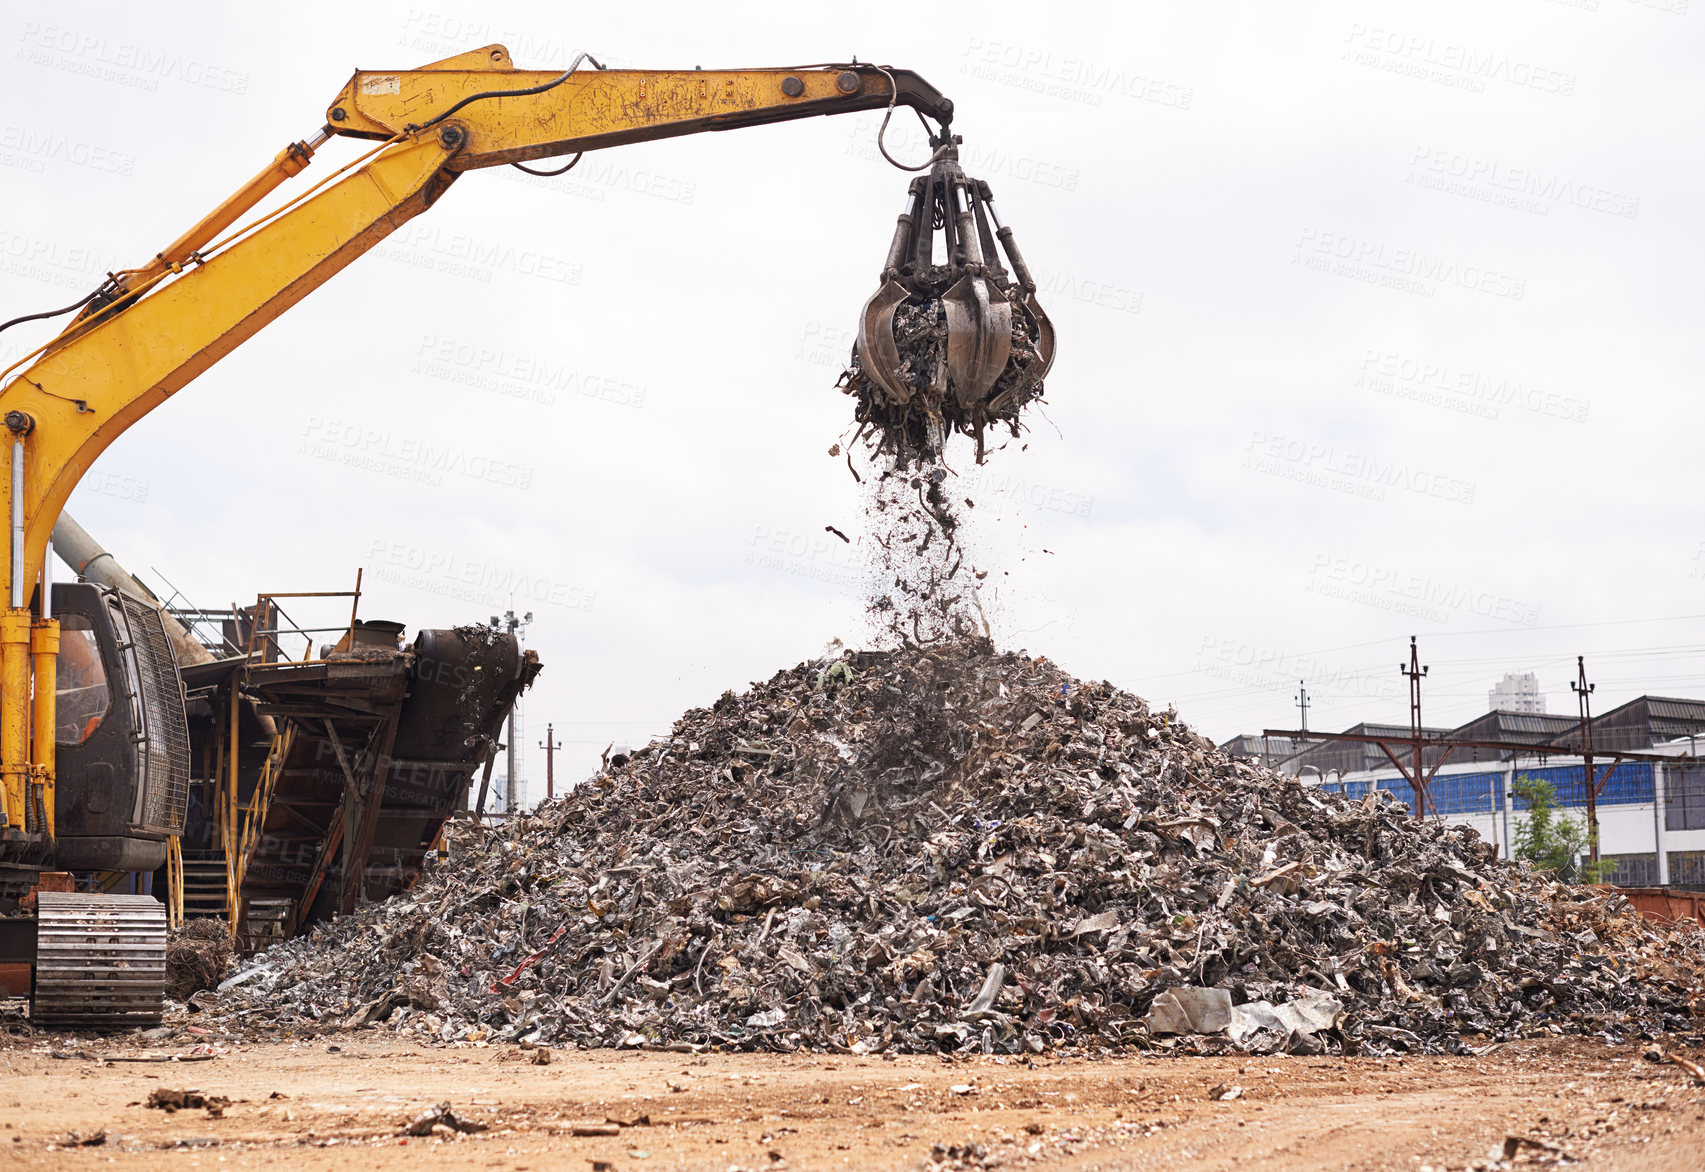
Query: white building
{"x": 1516, "y": 693}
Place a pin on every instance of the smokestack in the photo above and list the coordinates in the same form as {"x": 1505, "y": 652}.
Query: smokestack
{"x": 85, "y": 555}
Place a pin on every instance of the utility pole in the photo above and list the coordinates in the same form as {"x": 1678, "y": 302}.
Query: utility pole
{"x": 1415, "y": 671}
{"x": 1584, "y": 691}
{"x": 1302, "y": 703}
{"x": 550, "y": 747}
{"x": 514, "y": 626}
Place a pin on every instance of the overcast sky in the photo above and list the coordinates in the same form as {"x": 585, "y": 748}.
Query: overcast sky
{"x": 1375, "y": 319}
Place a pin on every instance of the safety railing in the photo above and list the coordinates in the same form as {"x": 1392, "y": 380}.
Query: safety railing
{"x": 174, "y": 883}
{"x": 267, "y": 604}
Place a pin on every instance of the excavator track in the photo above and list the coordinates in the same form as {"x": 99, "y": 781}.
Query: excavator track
{"x": 100, "y": 961}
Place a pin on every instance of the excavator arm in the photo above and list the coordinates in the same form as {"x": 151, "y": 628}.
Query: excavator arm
{"x": 149, "y": 331}
{"x": 590, "y": 109}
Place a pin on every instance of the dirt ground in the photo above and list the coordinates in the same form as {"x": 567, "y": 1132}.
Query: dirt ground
{"x": 342, "y": 1104}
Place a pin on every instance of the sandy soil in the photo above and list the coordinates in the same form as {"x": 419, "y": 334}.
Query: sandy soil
{"x": 341, "y": 1104}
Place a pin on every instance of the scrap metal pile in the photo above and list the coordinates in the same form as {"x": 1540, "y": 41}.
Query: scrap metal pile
{"x": 950, "y": 343}
{"x": 954, "y": 849}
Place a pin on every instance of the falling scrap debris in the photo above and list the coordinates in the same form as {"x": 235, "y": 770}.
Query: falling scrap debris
{"x": 955, "y": 849}
{"x": 922, "y": 589}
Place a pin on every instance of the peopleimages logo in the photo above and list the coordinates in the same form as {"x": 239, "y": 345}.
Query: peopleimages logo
{"x": 1410, "y": 270}
{"x": 28, "y": 149}
{"x": 819, "y": 557}
{"x": 1058, "y": 286}
{"x": 1441, "y": 384}
{"x": 1241, "y": 662}
{"x": 988, "y": 486}
{"x": 1524, "y": 189}
{"x": 1347, "y": 471}
{"x": 464, "y": 579}
{"x": 1451, "y": 64}
{"x": 125, "y": 63}
{"x": 116, "y": 485}
{"x": 528, "y": 377}
{"x": 430, "y": 30}
{"x": 1416, "y": 595}
{"x": 1075, "y": 79}
{"x": 462, "y": 254}
{"x": 406, "y": 457}
{"x": 825, "y": 344}
{"x": 52, "y": 262}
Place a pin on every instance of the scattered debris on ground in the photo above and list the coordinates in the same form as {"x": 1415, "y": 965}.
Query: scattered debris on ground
{"x": 1692, "y": 1068}
{"x": 79, "y": 1139}
{"x": 443, "y": 1117}
{"x": 167, "y": 1099}
{"x": 197, "y": 955}
{"x": 955, "y": 849}
{"x": 1587, "y": 1100}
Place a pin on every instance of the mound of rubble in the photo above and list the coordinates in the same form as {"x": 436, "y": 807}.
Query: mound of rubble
{"x": 952, "y": 849}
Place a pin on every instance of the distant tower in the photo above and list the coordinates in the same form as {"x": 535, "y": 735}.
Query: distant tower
{"x": 1517, "y": 692}
{"x": 512, "y": 786}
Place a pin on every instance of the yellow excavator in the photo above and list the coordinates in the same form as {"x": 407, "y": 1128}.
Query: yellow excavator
{"x": 145, "y": 333}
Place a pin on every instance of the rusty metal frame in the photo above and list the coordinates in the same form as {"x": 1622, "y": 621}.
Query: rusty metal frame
{"x": 367, "y": 820}
{"x": 1423, "y": 792}
{"x": 239, "y": 826}
{"x": 1527, "y": 747}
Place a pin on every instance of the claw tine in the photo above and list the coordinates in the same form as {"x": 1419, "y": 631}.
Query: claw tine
{"x": 878, "y": 355}
{"x": 1044, "y": 335}
{"x": 979, "y": 338}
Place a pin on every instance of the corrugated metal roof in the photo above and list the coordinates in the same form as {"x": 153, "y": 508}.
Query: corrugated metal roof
{"x": 1535, "y": 725}
{"x": 1669, "y": 708}
{"x": 1389, "y": 730}
{"x": 1636, "y": 725}
{"x": 1528, "y": 728}
{"x": 1256, "y": 745}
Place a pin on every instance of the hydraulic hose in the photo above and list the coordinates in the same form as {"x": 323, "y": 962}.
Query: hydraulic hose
{"x": 50, "y": 312}
{"x": 528, "y": 92}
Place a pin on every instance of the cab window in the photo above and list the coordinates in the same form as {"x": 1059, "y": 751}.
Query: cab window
{"x": 83, "y": 693}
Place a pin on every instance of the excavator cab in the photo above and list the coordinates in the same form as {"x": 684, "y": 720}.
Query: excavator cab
{"x": 122, "y": 747}
{"x": 123, "y": 741}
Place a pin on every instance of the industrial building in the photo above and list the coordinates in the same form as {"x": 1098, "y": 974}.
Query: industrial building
{"x": 1651, "y": 812}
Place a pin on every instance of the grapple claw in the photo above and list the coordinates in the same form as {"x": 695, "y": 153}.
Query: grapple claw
{"x": 950, "y": 342}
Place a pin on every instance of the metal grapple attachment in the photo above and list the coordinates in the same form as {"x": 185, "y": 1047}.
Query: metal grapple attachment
{"x": 951, "y": 341}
